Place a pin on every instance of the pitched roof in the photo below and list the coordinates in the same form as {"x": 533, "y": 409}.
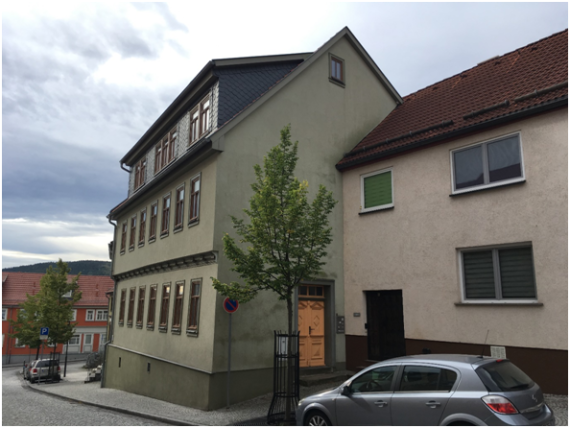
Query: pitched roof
{"x": 15, "y": 285}
{"x": 523, "y": 82}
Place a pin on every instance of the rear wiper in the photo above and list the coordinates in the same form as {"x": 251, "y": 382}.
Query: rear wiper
{"x": 520, "y": 386}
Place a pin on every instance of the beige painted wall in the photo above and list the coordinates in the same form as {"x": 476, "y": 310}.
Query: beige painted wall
{"x": 328, "y": 120}
{"x": 190, "y": 240}
{"x": 413, "y": 247}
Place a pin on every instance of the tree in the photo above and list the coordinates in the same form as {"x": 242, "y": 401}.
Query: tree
{"x": 49, "y": 308}
{"x": 287, "y": 236}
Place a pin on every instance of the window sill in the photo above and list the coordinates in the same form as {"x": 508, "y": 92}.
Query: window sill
{"x": 193, "y": 222}
{"x": 121, "y": 324}
{"x": 122, "y": 252}
{"x": 337, "y": 82}
{"x": 175, "y": 331}
{"x": 141, "y": 244}
{"x": 163, "y": 329}
{"x": 192, "y": 333}
{"x": 151, "y": 240}
{"x": 178, "y": 229}
{"x": 130, "y": 325}
{"x": 164, "y": 235}
{"x": 376, "y": 210}
{"x": 150, "y": 327}
{"x": 499, "y": 303}
{"x": 131, "y": 249}
{"x": 487, "y": 187}
{"x": 139, "y": 326}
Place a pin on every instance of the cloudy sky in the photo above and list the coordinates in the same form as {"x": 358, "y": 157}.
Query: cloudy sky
{"x": 82, "y": 82}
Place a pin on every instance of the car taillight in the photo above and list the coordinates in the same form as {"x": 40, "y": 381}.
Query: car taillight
{"x": 58, "y": 368}
{"x": 499, "y": 404}
{"x": 34, "y": 370}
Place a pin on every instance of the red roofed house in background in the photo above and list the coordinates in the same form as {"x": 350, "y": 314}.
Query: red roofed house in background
{"x": 455, "y": 219}
{"x": 90, "y": 314}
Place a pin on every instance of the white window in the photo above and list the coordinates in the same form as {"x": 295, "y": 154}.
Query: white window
{"x": 75, "y": 339}
{"x": 488, "y": 164}
{"x": 101, "y": 315}
{"x": 67, "y": 295}
{"x": 74, "y": 315}
{"x": 102, "y": 339}
{"x": 502, "y": 274}
{"x": 19, "y": 344}
{"x": 88, "y": 339}
{"x": 4, "y": 314}
{"x": 90, "y": 315}
{"x": 376, "y": 190}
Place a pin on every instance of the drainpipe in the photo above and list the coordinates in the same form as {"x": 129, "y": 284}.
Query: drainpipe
{"x": 110, "y": 338}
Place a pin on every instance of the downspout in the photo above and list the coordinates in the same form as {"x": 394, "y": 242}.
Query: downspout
{"x": 110, "y": 338}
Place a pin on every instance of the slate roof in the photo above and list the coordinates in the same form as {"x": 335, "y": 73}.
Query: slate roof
{"x": 239, "y": 86}
{"x": 15, "y": 285}
{"x": 525, "y": 81}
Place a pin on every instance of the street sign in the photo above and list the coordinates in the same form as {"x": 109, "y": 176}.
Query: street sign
{"x": 230, "y": 306}
{"x": 44, "y": 333}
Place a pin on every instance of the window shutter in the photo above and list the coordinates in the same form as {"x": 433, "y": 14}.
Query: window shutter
{"x": 517, "y": 273}
{"x": 479, "y": 275}
{"x": 378, "y": 190}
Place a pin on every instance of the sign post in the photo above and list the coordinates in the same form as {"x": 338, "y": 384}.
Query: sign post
{"x": 44, "y": 333}
{"x": 230, "y": 306}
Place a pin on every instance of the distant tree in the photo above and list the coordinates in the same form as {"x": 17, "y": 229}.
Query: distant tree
{"x": 51, "y": 307}
{"x": 287, "y": 236}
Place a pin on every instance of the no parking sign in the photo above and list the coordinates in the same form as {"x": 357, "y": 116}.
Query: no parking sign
{"x": 230, "y": 306}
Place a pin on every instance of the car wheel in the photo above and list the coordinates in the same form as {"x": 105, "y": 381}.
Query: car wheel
{"x": 317, "y": 419}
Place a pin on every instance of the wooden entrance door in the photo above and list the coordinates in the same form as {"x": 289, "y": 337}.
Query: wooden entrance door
{"x": 386, "y": 338}
{"x": 311, "y": 329}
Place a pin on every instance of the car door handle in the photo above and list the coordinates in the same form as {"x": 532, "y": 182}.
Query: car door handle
{"x": 433, "y": 404}
{"x": 380, "y": 403}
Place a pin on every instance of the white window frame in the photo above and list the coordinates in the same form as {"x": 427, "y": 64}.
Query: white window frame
{"x": 66, "y": 295}
{"x": 4, "y": 314}
{"x": 370, "y": 174}
{"x": 101, "y": 311}
{"x": 74, "y": 316}
{"x": 18, "y": 345}
{"x": 486, "y": 165}
{"x": 503, "y": 301}
{"x": 92, "y": 312}
{"x": 78, "y": 336}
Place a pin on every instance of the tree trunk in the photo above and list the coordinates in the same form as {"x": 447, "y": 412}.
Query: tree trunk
{"x": 38, "y": 353}
{"x": 290, "y": 368}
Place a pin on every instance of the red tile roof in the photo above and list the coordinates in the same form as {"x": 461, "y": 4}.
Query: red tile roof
{"x": 15, "y": 285}
{"x": 497, "y": 90}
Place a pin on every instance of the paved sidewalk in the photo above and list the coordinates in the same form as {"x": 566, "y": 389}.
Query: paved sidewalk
{"x": 251, "y": 412}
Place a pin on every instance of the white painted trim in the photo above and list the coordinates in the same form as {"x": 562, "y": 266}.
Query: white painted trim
{"x": 370, "y": 174}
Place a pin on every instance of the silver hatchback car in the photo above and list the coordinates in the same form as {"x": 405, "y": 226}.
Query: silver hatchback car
{"x": 431, "y": 390}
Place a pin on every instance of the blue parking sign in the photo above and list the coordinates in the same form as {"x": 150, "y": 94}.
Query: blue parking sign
{"x": 44, "y": 333}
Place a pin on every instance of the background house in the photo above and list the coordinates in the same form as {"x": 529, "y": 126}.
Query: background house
{"x": 90, "y": 314}
{"x": 455, "y": 219}
{"x": 188, "y": 173}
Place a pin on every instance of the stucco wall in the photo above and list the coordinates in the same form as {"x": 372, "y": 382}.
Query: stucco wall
{"x": 414, "y": 246}
{"x": 328, "y": 120}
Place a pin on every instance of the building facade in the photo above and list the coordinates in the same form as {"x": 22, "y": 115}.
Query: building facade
{"x": 455, "y": 219}
{"x": 90, "y": 314}
{"x": 192, "y": 170}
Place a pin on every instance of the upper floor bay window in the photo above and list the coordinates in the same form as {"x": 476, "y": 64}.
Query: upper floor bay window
{"x": 164, "y": 151}
{"x": 133, "y": 232}
{"x": 200, "y": 119}
{"x": 132, "y": 292}
{"x": 142, "y": 227}
{"x": 123, "y": 237}
{"x": 165, "y": 215}
{"x": 376, "y": 191}
{"x": 502, "y": 273}
{"x": 153, "y": 221}
{"x": 194, "y": 212}
{"x": 140, "y": 173}
{"x": 122, "y": 307}
{"x": 194, "y": 307}
{"x": 164, "y": 307}
{"x": 178, "y": 299}
{"x": 140, "y": 309}
{"x": 488, "y": 164}
{"x": 151, "y": 307}
{"x": 179, "y": 213}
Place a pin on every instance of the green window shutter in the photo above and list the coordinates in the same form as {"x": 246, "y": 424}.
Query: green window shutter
{"x": 479, "y": 275}
{"x": 517, "y": 273}
{"x": 378, "y": 190}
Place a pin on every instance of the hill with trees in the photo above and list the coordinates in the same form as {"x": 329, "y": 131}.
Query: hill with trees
{"x": 86, "y": 267}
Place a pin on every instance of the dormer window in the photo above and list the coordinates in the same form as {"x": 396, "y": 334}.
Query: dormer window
{"x": 200, "y": 120}
{"x": 164, "y": 152}
{"x": 140, "y": 171}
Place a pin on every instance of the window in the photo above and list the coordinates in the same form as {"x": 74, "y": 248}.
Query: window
{"x": 204, "y": 116}
{"x": 19, "y": 343}
{"x": 194, "y": 306}
{"x": 313, "y": 291}
{"x": 179, "y": 214}
{"x": 140, "y": 170}
{"x": 67, "y": 294}
{"x": 376, "y": 191}
{"x": 122, "y": 309}
{"x": 194, "y": 213}
{"x": 502, "y": 273}
{"x": 74, "y": 339}
{"x": 164, "y": 307}
{"x": 151, "y": 307}
{"x": 90, "y": 315}
{"x": 200, "y": 120}
{"x": 4, "y": 314}
{"x": 153, "y": 220}
{"x": 487, "y": 164}
{"x": 337, "y": 69}
{"x": 102, "y": 339}
{"x": 101, "y": 315}
{"x": 165, "y": 215}
{"x": 74, "y": 315}
{"x": 140, "y": 310}
{"x": 164, "y": 151}
{"x": 178, "y": 298}
{"x": 379, "y": 379}
{"x": 132, "y": 292}
{"x": 194, "y": 123}
{"x": 424, "y": 378}
{"x": 133, "y": 232}
{"x": 124, "y": 237}
{"x": 142, "y": 227}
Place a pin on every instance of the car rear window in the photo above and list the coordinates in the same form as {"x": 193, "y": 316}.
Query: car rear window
{"x": 46, "y": 363}
{"x": 503, "y": 376}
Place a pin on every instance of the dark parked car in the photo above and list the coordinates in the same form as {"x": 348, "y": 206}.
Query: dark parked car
{"x": 431, "y": 390}
{"x": 42, "y": 369}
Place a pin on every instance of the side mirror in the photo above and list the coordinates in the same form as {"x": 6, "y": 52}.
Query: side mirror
{"x": 346, "y": 391}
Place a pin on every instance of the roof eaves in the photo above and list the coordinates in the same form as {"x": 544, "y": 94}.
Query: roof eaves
{"x": 224, "y": 62}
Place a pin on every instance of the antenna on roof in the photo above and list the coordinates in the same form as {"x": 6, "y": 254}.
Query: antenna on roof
{"x": 483, "y": 348}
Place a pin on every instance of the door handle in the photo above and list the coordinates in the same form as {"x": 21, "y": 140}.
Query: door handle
{"x": 380, "y": 403}
{"x": 433, "y": 404}
{"x": 309, "y": 330}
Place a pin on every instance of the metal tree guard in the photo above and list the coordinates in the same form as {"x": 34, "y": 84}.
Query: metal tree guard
{"x": 285, "y": 377}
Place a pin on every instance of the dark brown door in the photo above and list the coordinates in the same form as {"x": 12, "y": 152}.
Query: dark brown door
{"x": 385, "y": 324}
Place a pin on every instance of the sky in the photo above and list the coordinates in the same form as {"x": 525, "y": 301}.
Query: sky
{"x": 82, "y": 82}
